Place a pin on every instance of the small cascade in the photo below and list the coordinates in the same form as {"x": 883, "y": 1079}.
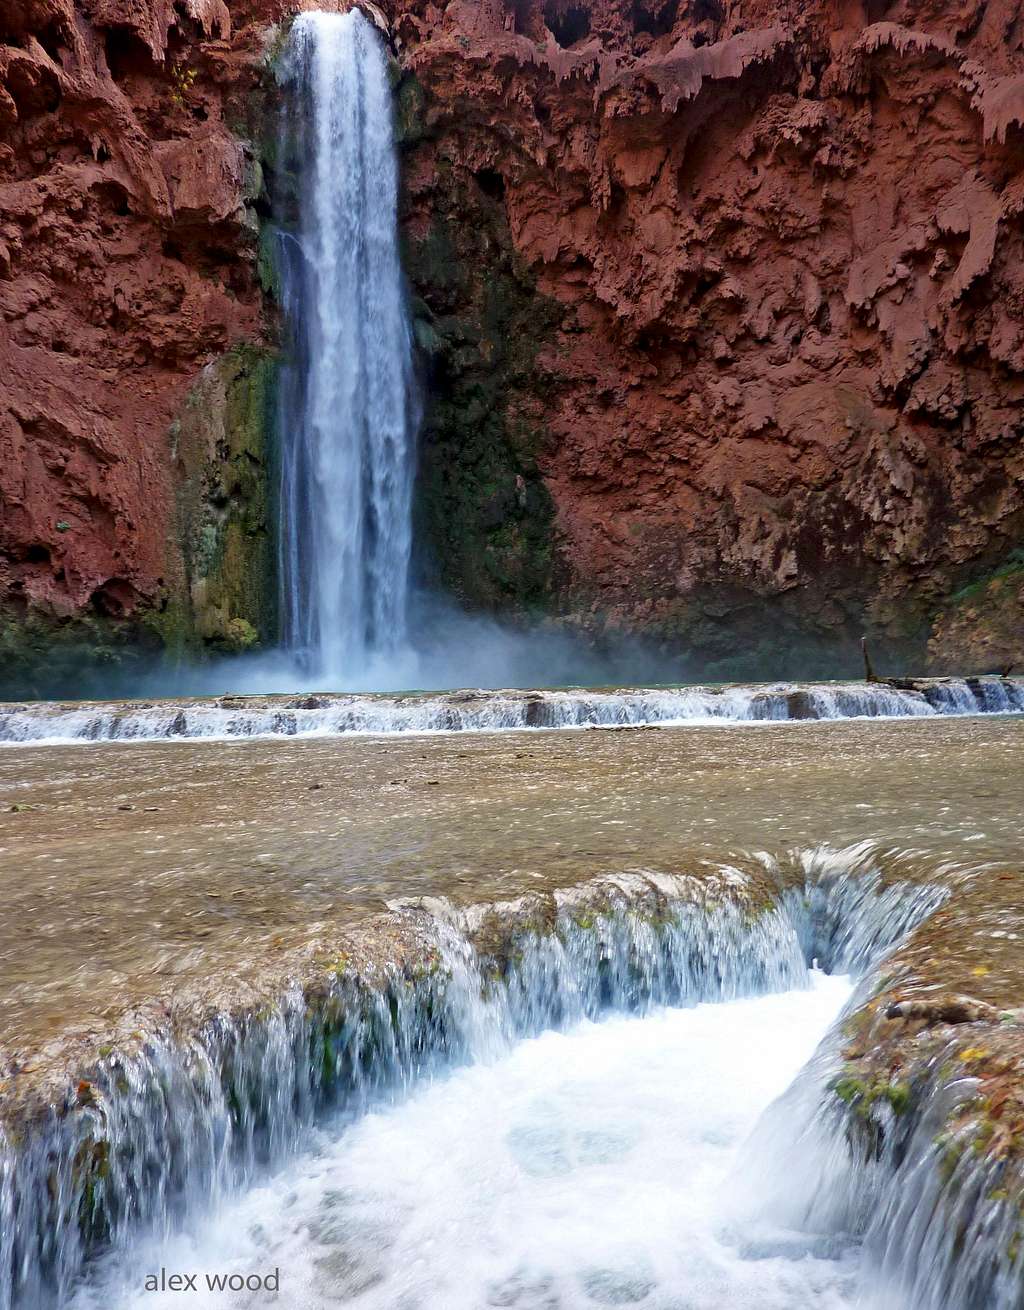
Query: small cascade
{"x": 899, "y": 1169}
{"x": 189, "y": 1120}
{"x": 935, "y": 1216}
{"x": 347, "y": 406}
{"x": 849, "y": 911}
{"x": 482, "y": 711}
{"x": 579, "y": 1169}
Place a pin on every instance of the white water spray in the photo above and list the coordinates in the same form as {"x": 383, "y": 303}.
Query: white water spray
{"x": 347, "y": 419}
{"x": 580, "y": 1170}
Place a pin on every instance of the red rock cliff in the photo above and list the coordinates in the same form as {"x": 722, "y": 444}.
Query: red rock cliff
{"x": 126, "y": 265}
{"x": 781, "y": 247}
{"x": 787, "y": 238}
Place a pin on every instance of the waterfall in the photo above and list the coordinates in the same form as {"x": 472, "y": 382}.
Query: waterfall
{"x": 347, "y": 407}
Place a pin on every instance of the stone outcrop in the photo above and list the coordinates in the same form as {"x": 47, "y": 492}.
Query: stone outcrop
{"x": 983, "y": 624}
{"x": 718, "y": 303}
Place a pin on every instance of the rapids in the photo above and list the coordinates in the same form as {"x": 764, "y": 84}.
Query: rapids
{"x": 168, "y": 1140}
{"x": 578, "y": 1169}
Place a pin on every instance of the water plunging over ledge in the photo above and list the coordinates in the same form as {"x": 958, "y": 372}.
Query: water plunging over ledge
{"x": 457, "y": 1136}
{"x": 455, "y": 1103}
{"x": 577, "y": 1170}
{"x": 466, "y": 711}
{"x": 162, "y": 1136}
{"x": 242, "y": 1064}
{"x": 347, "y": 414}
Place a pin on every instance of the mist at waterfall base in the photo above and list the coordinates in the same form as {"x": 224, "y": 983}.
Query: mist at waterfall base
{"x": 351, "y": 616}
{"x": 355, "y": 609}
{"x": 448, "y": 649}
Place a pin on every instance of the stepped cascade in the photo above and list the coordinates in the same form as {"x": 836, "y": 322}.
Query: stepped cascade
{"x": 204, "y": 1120}
{"x": 481, "y": 711}
{"x": 347, "y": 409}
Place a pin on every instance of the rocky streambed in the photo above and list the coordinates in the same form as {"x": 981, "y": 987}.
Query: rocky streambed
{"x": 162, "y": 1070}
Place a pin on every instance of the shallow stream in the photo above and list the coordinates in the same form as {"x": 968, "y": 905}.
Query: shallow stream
{"x": 460, "y": 1120}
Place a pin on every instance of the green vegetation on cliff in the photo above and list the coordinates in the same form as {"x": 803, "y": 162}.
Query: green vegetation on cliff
{"x": 224, "y": 453}
{"x": 483, "y": 511}
{"x": 43, "y": 655}
{"x": 980, "y": 628}
{"x": 221, "y": 585}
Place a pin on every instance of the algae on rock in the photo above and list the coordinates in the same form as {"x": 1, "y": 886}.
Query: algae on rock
{"x": 45, "y": 655}
{"x": 483, "y": 511}
{"x": 980, "y": 628}
{"x": 224, "y": 454}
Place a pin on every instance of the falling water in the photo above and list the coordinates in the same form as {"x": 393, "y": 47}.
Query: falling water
{"x": 347, "y": 417}
{"x": 173, "y": 1135}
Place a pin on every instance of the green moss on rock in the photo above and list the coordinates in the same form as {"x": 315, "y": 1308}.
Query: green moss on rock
{"x": 862, "y": 1096}
{"x": 43, "y": 655}
{"x": 224, "y": 451}
{"x": 483, "y": 509}
{"x": 980, "y": 628}
{"x": 410, "y": 111}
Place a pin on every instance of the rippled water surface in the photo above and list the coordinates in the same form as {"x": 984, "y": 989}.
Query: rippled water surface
{"x": 130, "y": 868}
{"x": 581, "y": 1169}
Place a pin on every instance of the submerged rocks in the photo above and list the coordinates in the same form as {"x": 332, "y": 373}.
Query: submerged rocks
{"x": 929, "y": 1011}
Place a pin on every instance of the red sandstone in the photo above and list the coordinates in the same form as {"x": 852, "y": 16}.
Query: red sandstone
{"x": 788, "y": 238}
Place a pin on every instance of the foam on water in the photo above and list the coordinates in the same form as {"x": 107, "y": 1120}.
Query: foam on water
{"x": 581, "y": 1169}
{"x": 533, "y": 1119}
{"x": 468, "y": 711}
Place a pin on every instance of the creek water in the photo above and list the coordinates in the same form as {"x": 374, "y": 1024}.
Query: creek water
{"x": 246, "y": 845}
{"x": 333, "y": 715}
{"x": 577, "y": 1169}
{"x": 464, "y": 1131}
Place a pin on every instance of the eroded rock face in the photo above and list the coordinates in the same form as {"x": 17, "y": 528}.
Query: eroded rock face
{"x": 786, "y": 243}
{"x": 719, "y": 304}
{"x": 982, "y": 626}
{"x": 126, "y": 265}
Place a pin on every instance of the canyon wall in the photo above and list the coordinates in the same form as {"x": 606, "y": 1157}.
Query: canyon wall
{"x": 132, "y": 327}
{"x": 718, "y": 307}
{"x": 776, "y": 259}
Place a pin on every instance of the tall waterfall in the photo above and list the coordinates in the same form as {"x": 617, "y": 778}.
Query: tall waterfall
{"x": 347, "y": 405}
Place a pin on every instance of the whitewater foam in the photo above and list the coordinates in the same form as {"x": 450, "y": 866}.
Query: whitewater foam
{"x": 580, "y": 1169}
{"x": 325, "y": 715}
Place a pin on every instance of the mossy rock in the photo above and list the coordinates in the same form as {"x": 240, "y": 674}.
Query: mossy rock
{"x": 483, "y": 510}
{"x": 410, "y": 111}
{"x": 980, "y": 627}
{"x": 225, "y": 450}
{"x": 43, "y": 656}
